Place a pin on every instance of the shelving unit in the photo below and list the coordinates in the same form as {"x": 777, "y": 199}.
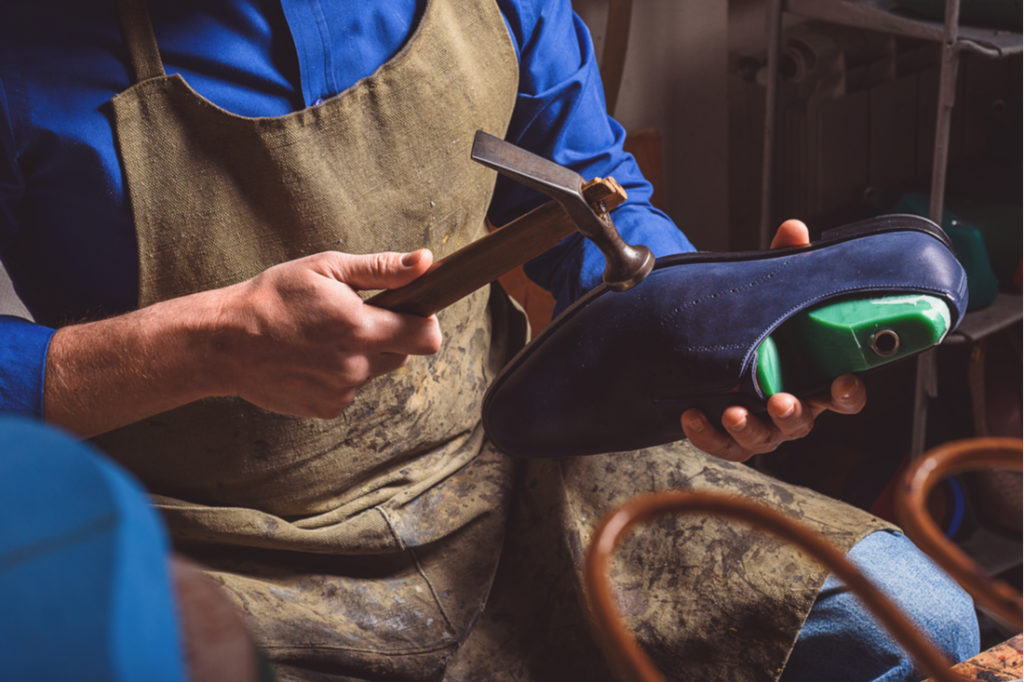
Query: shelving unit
{"x": 884, "y": 16}
{"x": 887, "y": 16}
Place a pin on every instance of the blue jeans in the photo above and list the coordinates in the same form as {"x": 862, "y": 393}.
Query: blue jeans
{"x": 841, "y": 641}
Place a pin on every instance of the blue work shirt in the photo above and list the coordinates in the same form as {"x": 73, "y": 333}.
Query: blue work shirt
{"x": 66, "y": 231}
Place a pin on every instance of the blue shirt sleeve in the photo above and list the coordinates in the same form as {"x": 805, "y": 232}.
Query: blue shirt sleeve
{"x": 560, "y": 113}
{"x": 62, "y": 131}
{"x": 23, "y": 348}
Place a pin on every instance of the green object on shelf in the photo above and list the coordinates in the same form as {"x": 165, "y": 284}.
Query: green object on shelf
{"x": 815, "y": 346}
{"x": 969, "y": 247}
{"x": 999, "y": 225}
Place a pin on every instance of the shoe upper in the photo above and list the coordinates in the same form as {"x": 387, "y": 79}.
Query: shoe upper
{"x": 617, "y": 369}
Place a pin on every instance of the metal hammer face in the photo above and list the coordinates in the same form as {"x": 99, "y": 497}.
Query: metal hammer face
{"x": 626, "y": 265}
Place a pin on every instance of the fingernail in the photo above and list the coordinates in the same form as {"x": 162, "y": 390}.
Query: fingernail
{"x": 411, "y": 258}
{"x": 695, "y": 424}
{"x": 847, "y": 385}
{"x": 789, "y": 411}
{"x": 738, "y": 424}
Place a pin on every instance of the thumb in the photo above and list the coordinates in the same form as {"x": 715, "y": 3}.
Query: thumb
{"x": 791, "y": 233}
{"x": 385, "y": 270}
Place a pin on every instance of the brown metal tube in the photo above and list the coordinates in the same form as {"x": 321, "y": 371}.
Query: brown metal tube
{"x": 626, "y": 657}
{"x": 995, "y": 597}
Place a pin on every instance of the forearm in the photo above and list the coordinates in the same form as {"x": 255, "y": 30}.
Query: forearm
{"x": 106, "y": 374}
{"x": 296, "y": 339}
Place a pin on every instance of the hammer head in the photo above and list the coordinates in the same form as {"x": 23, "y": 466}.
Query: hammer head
{"x": 625, "y": 265}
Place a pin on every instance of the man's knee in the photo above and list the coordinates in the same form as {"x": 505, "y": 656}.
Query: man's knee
{"x": 841, "y": 640}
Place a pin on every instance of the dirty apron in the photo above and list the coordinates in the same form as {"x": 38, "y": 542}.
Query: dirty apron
{"x": 365, "y": 547}
{"x": 366, "y": 544}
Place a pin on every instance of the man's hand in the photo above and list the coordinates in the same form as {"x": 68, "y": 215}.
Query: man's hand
{"x": 789, "y": 418}
{"x": 296, "y": 339}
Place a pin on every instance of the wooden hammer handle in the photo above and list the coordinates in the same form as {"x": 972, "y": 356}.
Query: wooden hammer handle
{"x": 491, "y": 256}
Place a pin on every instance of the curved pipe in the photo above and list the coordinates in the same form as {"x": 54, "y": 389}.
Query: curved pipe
{"x": 626, "y": 657}
{"x": 997, "y": 598}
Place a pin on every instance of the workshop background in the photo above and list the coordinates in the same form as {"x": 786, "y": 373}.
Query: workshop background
{"x": 854, "y": 136}
{"x": 855, "y": 133}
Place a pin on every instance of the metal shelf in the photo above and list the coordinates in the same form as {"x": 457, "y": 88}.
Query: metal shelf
{"x": 884, "y": 16}
{"x": 888, "y": 17}
{"x": 1006, "y": 310}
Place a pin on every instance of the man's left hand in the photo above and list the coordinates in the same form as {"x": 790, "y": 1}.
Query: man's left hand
{"x": 788, "y": 417}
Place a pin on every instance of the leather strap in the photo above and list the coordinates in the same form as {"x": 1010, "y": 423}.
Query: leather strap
{"x": 139, "y": 38}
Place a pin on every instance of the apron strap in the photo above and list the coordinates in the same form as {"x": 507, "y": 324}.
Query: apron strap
{"x": 137, "y": 29}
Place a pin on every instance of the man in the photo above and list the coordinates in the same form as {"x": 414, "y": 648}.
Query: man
{"x": 199, "y": 194}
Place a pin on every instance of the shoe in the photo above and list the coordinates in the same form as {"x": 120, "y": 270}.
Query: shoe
{"x": 616, "y": 370}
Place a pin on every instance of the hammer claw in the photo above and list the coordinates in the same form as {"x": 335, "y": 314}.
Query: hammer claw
{"x": 558, "y": 182}
{"x": 626, "y": 265}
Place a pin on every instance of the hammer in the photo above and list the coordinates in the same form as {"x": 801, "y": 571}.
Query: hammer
{"x": 577, "y": 205}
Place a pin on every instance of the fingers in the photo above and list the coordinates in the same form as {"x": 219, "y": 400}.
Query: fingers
{"x": 848, "y": 395}
{"x": 792, "y": 417}
{"x": 753, "y": 435}
{"x": 361, "y": 327}
{"x": 325, "y": 396}
{"x": 744, "y": 434}
{"x": 387, "y": 362}
{"x": 353, "y": 370}
{"x": 297, "y": 339}
{"x": 383, "y": 330}
{"x": 791, "y": 233}
{"x": 386, "y": 270}
{"x": 389, "y": 332}
{"x": 704, "y": 435}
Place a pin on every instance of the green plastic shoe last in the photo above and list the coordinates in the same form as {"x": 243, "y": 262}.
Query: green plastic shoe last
{"x": 814, "y": 347}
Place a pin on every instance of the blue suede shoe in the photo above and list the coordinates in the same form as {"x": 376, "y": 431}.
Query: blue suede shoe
{"x": 615, "y": 371}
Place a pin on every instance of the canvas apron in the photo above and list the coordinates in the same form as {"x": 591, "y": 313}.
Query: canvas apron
{"x": 364, "y": 547}
{"x": 364, "y": 544}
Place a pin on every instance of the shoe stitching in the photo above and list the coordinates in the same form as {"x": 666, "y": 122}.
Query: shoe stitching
{"x": 738, "y": 289}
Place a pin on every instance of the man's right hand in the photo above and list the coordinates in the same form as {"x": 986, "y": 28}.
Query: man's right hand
{"x": 296, "y": 339}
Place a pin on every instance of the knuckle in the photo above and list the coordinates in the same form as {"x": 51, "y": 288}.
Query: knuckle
{"x": 354, "y": 370}
{"x": 358, "y": 332}
{"x": 732, "y": 452}
{"x": 382, "y": 263}
{"x": 801, "y": 430}
{"x": 760, "y": 442}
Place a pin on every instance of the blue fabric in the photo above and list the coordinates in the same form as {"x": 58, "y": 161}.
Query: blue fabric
{"x": 84, "y": 577}
{"x": 23, "y": 347}
{"x": 842, "y": 642}
{"x": 687, "y": 337}
{"x": 66, "y": 234}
